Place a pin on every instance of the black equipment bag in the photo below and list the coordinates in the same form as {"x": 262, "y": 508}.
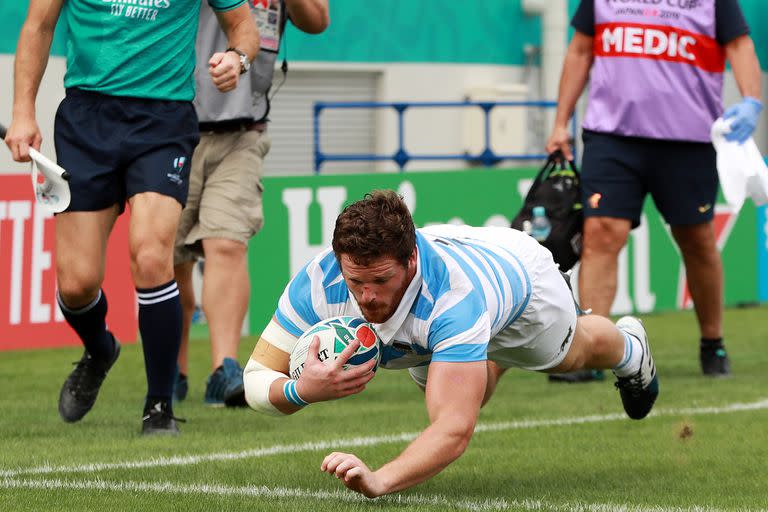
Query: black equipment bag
{"x": 557, "y": 188}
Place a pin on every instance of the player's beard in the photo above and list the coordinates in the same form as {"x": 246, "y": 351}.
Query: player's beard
{"x": 377, "y": 313}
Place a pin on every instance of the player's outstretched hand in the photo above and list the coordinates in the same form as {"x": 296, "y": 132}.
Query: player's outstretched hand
{"x": 353, "y": 473}
{"x": 320, "y": 382}
{"x": 224, "y": 68}
{"x": 23, "y": 134}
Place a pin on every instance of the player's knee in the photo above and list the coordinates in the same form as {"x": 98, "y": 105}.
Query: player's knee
{"x": 151, "y": 263}
{"x": 605, "y": 235}
{"x": 78, "y": 286}
{"x": 696, "y": 240}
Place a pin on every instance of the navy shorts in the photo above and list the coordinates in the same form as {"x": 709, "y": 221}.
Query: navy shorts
{"x": 116, "y": 147}
{"x": 618, "y": 172}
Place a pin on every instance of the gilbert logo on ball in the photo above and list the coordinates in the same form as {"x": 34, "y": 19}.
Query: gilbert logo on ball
{"x": 335, "y": 334}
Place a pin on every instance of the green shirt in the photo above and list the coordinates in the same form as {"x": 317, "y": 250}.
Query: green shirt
{"x": 138, "y": 48}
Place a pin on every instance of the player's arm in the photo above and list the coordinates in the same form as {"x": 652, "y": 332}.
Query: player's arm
{"x": 240, "y": 28}
{"x": 266, "y": 375}
{"x": 732, "y": 32}
{"x": 454, "y": 395}
{"x": 573, "y": 79}
{"x": 310, "y": 16}
{"x": 746, "y": 67}
{"x": 30, "y": 62}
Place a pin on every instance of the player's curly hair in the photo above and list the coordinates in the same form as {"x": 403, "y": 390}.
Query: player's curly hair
{"x": 377, "y": 225}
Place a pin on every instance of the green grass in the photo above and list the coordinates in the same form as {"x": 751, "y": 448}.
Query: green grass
{"x": 671, "y": 461}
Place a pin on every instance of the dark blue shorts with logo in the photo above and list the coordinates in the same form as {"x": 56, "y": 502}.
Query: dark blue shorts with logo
{"x": 116, "y": 147}
{"x": 618, "y": 172}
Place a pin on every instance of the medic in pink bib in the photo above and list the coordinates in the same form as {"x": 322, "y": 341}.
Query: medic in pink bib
{"x": 655, "y": 71}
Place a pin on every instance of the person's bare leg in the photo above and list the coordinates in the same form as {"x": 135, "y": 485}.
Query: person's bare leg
{"x": 80, "y": 266}
{"x": 604, "y": 237}
{"x": 704, "y": 270}
{"x": 81, "y": 261}
{"x": 494, "y": 373}
{"x": 597, "y": 345}
{"x": 183, "y": 274}
{"x": 226, "y": 290}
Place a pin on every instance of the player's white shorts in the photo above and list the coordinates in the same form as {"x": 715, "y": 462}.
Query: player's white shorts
{"x": 541, "y": 337}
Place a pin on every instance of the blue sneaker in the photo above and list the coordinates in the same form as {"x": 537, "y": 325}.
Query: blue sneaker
{"x": 225, "y": 385}
{"x": 638, "y": 391}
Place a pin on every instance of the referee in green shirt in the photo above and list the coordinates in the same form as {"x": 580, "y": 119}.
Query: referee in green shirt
{"x": 125, "y": 132}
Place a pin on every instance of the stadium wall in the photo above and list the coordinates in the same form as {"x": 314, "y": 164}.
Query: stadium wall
{"x": 415, "y": 51}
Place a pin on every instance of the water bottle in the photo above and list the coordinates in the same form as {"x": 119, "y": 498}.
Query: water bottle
{"x": 540, "y": 225}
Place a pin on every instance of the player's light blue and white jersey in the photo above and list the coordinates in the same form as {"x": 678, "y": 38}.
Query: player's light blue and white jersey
{"x": 470, "y": 284}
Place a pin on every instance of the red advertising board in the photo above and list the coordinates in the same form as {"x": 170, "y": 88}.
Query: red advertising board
{"x": 29, "y": 315}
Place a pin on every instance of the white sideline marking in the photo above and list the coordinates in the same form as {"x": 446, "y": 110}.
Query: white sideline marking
{"x": 361, "y": 441}
{"x": 339, "y": 495}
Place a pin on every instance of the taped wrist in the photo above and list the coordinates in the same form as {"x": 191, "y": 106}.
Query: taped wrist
{"x": 257, "y": 380}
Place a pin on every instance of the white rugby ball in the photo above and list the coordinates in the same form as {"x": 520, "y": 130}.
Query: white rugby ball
{"x": 335, "y": 334}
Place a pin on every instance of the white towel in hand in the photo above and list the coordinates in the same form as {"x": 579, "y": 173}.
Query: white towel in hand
{"x": 741, "y": 168}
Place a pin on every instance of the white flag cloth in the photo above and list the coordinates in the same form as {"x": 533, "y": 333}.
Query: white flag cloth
{"x": 740, "y": 167}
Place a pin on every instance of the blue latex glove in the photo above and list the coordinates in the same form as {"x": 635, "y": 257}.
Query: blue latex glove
{"x": 744, "y": 115}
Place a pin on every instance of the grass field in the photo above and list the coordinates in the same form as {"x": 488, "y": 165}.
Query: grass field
{"x": 539, "y": 446}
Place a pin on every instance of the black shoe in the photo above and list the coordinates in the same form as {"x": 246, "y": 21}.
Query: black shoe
{"x": 158, "y": 421}
{"x": 180, "y": 387}
{"x": 577, "y": 376}
{"x": 714, "y": 360}
{"x": 638, "y": 391}
{"x": 82, "y": 386}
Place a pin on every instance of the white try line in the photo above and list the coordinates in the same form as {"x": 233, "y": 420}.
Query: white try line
{"x": 409, "y": 500}
{"x": 335, "y": 444}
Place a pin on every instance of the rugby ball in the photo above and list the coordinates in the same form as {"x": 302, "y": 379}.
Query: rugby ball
{"x": 335, "y": 334}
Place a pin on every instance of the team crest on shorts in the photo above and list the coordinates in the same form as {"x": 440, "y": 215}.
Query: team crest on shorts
{"x": 178, "y": 166}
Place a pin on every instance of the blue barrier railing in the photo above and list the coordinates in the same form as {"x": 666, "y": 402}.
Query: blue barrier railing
{"x": 401, "y": 156}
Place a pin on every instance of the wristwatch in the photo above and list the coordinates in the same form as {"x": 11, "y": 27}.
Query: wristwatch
{"x": 245, "y": 64}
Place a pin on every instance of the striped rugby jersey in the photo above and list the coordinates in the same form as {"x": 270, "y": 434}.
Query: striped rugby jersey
{"x": 470, "y": 284}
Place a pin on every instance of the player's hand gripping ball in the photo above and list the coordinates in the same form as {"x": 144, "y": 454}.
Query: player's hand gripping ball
{"x": 335, "y": 334}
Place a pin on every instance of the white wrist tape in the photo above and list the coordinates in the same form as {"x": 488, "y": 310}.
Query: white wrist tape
{"x": 257, "y": 379}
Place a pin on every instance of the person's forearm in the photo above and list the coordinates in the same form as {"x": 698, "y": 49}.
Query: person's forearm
{"x": 435, "y": 448}
{"x": 746, "y": 67}
{"x": 310, "y": 16}
{"x": 277, "y": 397}
{"x": 245, "y": 37}
{"x": 572, "y": 82}
{"x": 29, "y": 66}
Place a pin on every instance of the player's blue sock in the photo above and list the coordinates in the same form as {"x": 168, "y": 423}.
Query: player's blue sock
{"x": 89, "y": 322}
{"x": 160, "y": 326}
